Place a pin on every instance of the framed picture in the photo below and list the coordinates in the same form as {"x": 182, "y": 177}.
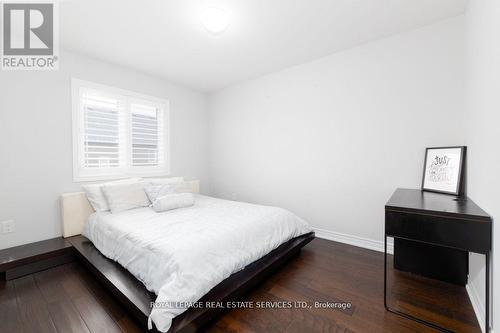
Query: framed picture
{"x": 444, "y": 170}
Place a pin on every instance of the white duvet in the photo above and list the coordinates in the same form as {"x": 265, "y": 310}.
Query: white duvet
{"x": 183, "y": 253}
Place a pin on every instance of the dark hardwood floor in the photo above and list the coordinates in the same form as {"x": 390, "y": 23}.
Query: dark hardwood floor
{"x": 69, "y": 299}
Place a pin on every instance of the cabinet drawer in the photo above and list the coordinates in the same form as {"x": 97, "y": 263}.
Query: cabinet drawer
{"x": 464, "y": 234}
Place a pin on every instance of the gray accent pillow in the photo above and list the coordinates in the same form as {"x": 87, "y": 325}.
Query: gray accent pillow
{"x": 173, "y": 201}
{"x": 157, "y": 190}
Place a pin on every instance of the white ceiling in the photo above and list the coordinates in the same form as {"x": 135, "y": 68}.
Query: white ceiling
{"x": 165, "y": 37}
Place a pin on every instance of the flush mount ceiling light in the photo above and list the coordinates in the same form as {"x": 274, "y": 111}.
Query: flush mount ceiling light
{"x": 214, "y": 19}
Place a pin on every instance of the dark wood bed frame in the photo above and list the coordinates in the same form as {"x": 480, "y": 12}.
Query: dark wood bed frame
{"x": 137, "y": 299}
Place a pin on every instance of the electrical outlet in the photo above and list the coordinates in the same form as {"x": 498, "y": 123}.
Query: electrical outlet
{"x": 8, "y": 226}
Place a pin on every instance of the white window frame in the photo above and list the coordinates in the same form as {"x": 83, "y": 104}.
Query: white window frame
{"x": 81, "y": 174}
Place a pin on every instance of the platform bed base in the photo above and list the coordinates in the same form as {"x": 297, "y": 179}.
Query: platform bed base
{"x": 137, "y": 299}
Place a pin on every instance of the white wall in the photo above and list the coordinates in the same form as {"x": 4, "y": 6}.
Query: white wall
{"x": 332, "y": 139}
{"x": 483, "y": 134}
{"x": 35, "y": 139}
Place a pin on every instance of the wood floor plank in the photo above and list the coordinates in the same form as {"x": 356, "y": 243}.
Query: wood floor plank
{"x": 32, "y": 307}
{"x": 316, "y": 326}
{"x": 116, "y": 311}
{"x": 95, "y": 319}
{"x": 66, "y": 318}
{"x": 64, "y": 314}
{"x": 90, "y": 309}
{"x": 10, "y": 321}
{"x": 263, "y": 320}
{"x": 229, "y": 324}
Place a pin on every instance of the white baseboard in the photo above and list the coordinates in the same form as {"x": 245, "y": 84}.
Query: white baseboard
{"x": 477, "y": 305}
{"x": 366, "y": 243}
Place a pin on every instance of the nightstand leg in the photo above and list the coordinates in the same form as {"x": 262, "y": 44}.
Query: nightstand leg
{"x": 385, "y": 272}
{"x": 487, "y": 298}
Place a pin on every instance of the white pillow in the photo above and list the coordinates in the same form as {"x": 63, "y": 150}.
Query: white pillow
{"x": 173, "y": 201}
{"x": 123, "y": 197}
{"x": 96, "y": 197}
{"x": 155, "y": 190}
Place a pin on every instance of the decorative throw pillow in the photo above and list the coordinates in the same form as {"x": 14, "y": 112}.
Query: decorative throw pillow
{"x": 155, "y": 190}
{"x": 173, "y": 201}
{"x": 123, "y": 197}
{"x": 96, "y": 196}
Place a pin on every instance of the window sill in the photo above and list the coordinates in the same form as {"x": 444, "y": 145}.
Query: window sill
{"x": 112, "y": 177}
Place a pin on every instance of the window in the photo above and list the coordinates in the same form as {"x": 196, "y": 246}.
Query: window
{"x": 117, "y": 133}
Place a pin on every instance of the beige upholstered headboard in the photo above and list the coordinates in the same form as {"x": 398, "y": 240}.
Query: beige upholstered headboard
{"x": 76, "y": 209}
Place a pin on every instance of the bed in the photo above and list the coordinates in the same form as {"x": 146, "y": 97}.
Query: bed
{"x": 214, "y": 250}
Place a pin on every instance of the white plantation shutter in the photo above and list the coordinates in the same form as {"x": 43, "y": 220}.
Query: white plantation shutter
{"x": 117, "y": 133}
{"x": 147, "y": 135}
{"x": 103, "y": 122}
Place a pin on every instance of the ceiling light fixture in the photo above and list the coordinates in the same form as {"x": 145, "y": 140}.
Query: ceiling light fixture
{"x": 214, "y": 19}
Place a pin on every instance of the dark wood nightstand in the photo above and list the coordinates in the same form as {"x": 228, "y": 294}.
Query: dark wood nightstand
{"x": 438, "y": 220}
